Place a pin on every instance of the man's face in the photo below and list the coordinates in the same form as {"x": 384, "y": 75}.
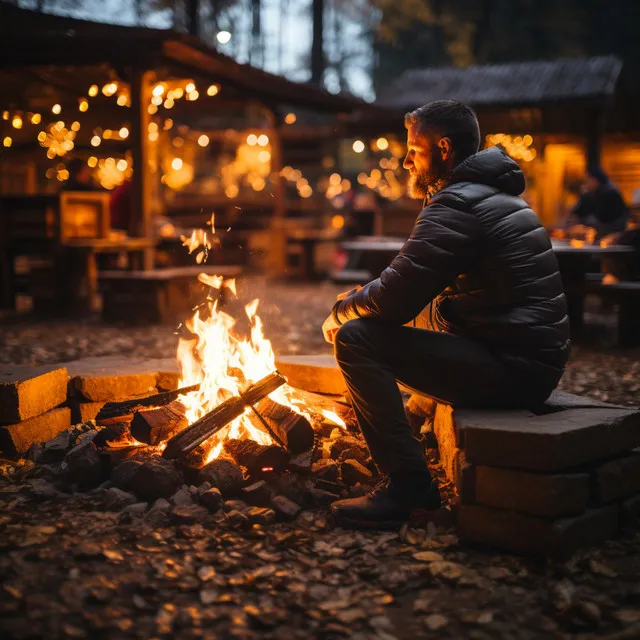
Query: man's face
{"x": 424, "y": 161}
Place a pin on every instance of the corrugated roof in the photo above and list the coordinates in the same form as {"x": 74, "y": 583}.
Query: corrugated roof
{"x": 518, "y": 83}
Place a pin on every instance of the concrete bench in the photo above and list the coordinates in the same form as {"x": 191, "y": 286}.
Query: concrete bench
{"x": 545, "y": 481}
{"x": 165, "y": 296}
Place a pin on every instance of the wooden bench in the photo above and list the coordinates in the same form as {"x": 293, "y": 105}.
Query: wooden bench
{"x": 165, "y": 296}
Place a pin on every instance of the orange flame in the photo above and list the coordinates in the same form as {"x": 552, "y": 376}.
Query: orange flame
{"x": 331, "y": 416}
{"x": 223, "y": 362}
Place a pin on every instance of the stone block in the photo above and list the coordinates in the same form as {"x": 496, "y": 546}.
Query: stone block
{"x": 110, "y": 378}
{"x": 630, "y": 513}
{"x": 83, "y": 411}
{"x": 616, "y": 479}
{"x": 15, "y": 439}
{"x": 522, "y": 533}
{"x": 538, "y": 494}
{"x": 551, "y": 442}
{"x": 26, "y": 391}
{"x": 315, "y": 373}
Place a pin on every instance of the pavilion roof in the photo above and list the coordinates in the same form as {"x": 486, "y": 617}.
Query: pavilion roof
{"x": 514, "y": 84}
{"x": 32, "y": 39}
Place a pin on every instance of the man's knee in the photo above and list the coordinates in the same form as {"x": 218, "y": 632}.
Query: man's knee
{"x": 358, "y": 332}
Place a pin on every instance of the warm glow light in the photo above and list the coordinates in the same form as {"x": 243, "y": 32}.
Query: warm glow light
{"x": 153, "y": 136}
{"x": 122, "y": 100}
{"x": 158, "y": 90}
{"x": 95, "y": 141}
{"x": 223, "y": 37}
{"x": 382, "y": 144}
{"x": 122, "y": 165}
{"x": 203, "y": 140}
{"x": 212, "y": 90}
{"x": 17, "y": 122}
{"x": 83, "y": 105}
{"x": 36, "y": 118}
{"x": 264, "y": 156}
{"x": 193, "y": 95}
{"x": 92, "y": 161}
{"x": 152, "y": 109}
{"x": 110, "y": 89}
{"x": 290, "y": 118}
{"x": 263, "y": 140}
{"x": 358, "y": 146}
{"x": 252, "y": 139}
{"x": 176, "y": 164}
{"x": 337, "y": 222}
{"x": 93, "y": 90}
{"x": 190, "y": 87}
{"x": 157, "y": 100}
{"x": 124, "y": 132}
{"x": 7, "y": 142}
{"x": 56, "y": 109}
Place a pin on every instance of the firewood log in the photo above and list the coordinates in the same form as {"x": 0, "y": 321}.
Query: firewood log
{"x": 157, "y": 425}
{"x": 257, "y": 458}
{"x": 296, "y": 428}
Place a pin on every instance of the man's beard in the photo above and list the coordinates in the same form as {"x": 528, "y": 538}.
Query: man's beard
{"x": 428, "y": 183}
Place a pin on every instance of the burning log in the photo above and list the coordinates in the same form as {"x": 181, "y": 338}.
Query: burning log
{"x": 297, "y": 430}
{"x": 157, "y": 425}
{"x": 202, "y": 429}
{"x": 257, "y": 458}
{"x": 125, "y": 407}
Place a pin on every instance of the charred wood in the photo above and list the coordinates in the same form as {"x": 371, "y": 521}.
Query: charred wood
{"x": 201, "y": 430}
{"x": 257, "y": 458}
{"x": 297, "y": 430}
{"x": 157, "y": 425}
{"x": 127, "y": 407}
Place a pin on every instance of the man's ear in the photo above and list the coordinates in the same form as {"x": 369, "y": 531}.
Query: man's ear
{"x": 446, "y": 150}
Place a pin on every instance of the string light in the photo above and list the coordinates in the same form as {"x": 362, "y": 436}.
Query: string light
{"x": 124, "y": 132}
{"x": 176, "y": 164}
{"x": 193, "y": 95}
{"x": 92, "y": 162}
{"x": 16, "y": 123}
{"x": 158, "y": 90}
{"x": 122, "y": 100}
{"x": 36, "y": 118}
{"x": 203, "y": 140}
{"x": 7, "y": 142}
{"x": 152, "y": 109}
{"x": 212, "y": 90}
{"x": 95, "y": 141}
{"x": 252, "y": 139}
{"x": 358, "y": 146}
{"x": 190, "y": 87}
{"x": 56, "y": 109}
{"x": 290, "y": 118}
{"x": 382, "y": 144}
{"x": 83, "y": 105}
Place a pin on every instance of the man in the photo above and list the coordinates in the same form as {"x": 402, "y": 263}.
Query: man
{"x": 601, "y": 205}
{"x": 499, "y": 334}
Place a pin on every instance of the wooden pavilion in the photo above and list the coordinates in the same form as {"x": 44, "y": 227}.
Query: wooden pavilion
{"x": 119, "y": 85}
{"x": 554, "y": 117}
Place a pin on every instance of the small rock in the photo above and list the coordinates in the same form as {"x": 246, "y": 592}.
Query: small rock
{"x": 34, "y": 452}
{"x": 224, "y": 474}
{"x": 156, "y": 478}
{"x": 302, "y": 462}
{"x": 235, "y": 505}
{"x": 205, "y": 486}
{"x": 136, "y": 510}
{"x": 116, "y": 499}
{"x": 257, "y": 494}
{"x": 326, "y": 469}
{"x": 285, "y": 508}
{"x": 436, "y": 621}
{"x": 355, "y": 453}
{"x": 188, "y": 514}
{"x": 55, "y": 449}
{"x": 211, "y": 499}
{"x": 182, "y": 497}
{"x": 158, "y": 515}
{"x": 342, "y": 443}
{"x": 123, "y": 475}
{"x": 261, "y": 515}
{"x": 237, "y": 518}
{"x": 353, "y": 472}
{"x": 84, "y": 464}
{"x": 42, "y": 489}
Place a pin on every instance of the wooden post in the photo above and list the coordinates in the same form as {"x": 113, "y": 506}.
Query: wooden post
{"x": 277, "y": 259}
{"x": 140, "y": 222}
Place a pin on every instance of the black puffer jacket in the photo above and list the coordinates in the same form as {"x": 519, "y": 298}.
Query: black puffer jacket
{"x": 481, "y": 255}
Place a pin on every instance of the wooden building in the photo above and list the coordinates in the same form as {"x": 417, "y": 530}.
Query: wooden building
{"x": 554, "y": 117}
{"x": 153, "y": 106}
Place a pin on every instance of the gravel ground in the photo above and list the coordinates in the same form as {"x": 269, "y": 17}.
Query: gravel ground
{"x": 70, "y": 569}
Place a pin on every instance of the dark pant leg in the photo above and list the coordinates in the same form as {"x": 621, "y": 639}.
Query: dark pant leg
{"x": 374, "y": 356}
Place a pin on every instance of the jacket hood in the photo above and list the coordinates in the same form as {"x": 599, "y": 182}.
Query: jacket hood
{"x": 492, "y": 167}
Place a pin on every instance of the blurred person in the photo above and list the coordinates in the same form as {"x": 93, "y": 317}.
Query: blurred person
{"x": 479, "y": 269}
{"x": 601, "y": 205}
{"x": 120, "y": 206}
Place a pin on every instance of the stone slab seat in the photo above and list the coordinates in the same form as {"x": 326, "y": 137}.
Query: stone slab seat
{"x": 165, "y": 296}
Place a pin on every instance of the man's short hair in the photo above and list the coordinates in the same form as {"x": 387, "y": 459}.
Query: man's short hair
{"x": 450, "y": 119}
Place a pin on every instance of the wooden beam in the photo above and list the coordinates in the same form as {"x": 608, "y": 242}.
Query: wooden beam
{"x": 140, "y": 222}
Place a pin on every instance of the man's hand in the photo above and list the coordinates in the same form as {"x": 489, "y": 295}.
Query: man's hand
{"x": 344, "y": 294}
{"x": 329, "y": 329}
